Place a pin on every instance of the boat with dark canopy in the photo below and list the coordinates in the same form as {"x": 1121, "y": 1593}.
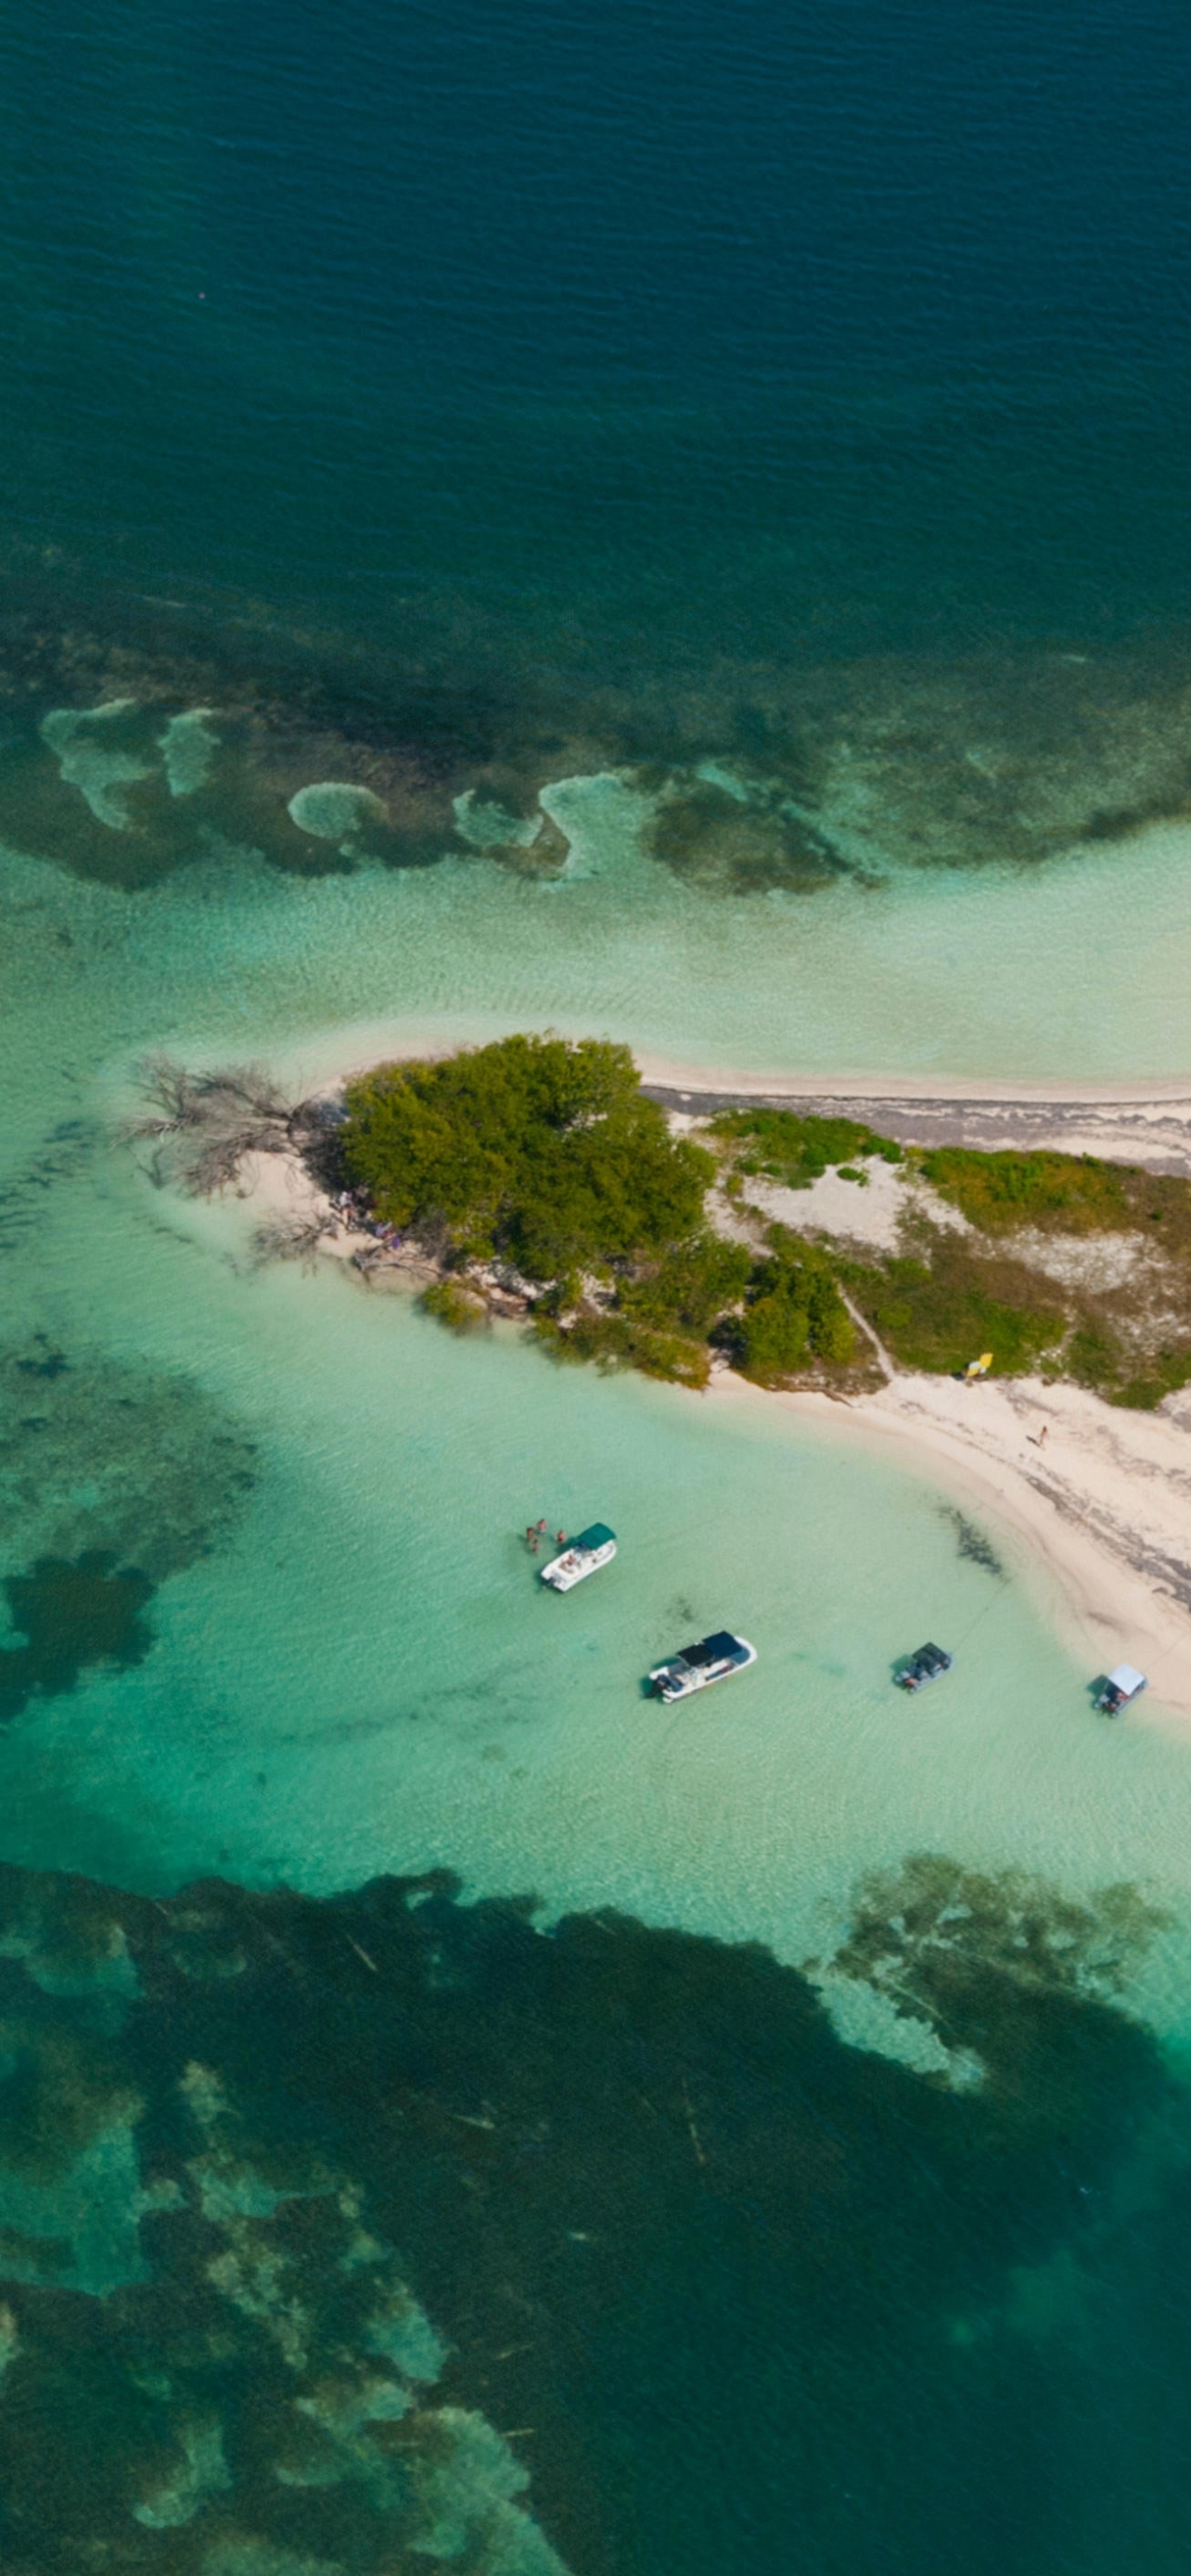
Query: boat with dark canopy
{"x": 924, "y": 1666}
{"x": 712, "y": 1660}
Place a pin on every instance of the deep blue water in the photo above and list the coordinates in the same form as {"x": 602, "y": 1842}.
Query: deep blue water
{"x": 840, "y": 325}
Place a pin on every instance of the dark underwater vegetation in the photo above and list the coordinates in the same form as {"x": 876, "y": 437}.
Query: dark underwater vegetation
{"x": 785, "y": 409}
{"x": 341, "y": 2234}
{"x": 69, "y": 1617}
{"x": 112, "y": 1477}
{"x": 97, "y": 1452}
{"x": 765, "y": 766}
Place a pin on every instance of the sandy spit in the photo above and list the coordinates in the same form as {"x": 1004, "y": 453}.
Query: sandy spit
{"x": 1166, "y": 1090}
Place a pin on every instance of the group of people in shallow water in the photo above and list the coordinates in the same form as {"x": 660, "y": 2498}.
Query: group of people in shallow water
{"x": 536, "y": 1532}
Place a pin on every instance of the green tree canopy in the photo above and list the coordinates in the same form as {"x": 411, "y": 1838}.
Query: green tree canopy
{"x": 535, "y": 1148}
{"x": 795, "y": 1308}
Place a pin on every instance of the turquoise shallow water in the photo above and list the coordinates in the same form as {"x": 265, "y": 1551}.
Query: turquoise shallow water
{"x": 675, "y": 528}
{"x": 363, "y": 1676}
{"x": 994, "y": 975}
{"x": 334, "y": 1668}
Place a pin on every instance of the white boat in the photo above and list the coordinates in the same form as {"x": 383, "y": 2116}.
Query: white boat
{"x": 584, "y": 1555}
{"x": 1121, "y": 1686}
{"x": 697, "y": 1666}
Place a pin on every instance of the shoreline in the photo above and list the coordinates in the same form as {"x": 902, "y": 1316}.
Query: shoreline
{"x": 957, "y": 1087}
{"x": 333, "y": 1055}
{"x": 1144, "y": 1121}
{"x": 1138, "y": 1123}
{"x": 1104, "y": 1509}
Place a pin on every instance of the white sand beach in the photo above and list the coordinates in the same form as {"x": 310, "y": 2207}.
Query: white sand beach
{"x": 1101, "y": 1506}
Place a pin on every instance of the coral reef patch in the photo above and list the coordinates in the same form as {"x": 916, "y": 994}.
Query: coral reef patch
{"x": 140, "y": 737}
{"x": 340, "y": 2235}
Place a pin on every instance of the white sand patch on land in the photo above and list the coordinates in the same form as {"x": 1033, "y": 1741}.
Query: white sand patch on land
{"x": 830, "y": 1206}
{"x": 1098, "y": 1262}
{"x": 871, "y": 1215}
{"x": 867, "y": 1213}
{"x": 279, "y": 1185}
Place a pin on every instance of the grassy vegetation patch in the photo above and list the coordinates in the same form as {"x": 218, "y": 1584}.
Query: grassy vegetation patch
{"x": 1098, "y": 1358}
{"x": 794, "y": 1150}
{"x": 942, "y": 1300}
{"x": 995, "y": 1191}
{"x": 940, "y": 1311}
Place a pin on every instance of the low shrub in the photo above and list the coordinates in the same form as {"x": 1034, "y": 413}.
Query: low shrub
{"x": 940, "y": 1315}
{"x": 1003, "y": 1189}
{"x": 536, "y": 1148}
{"x": 615, "y": 1341}
{"x": 798, "y": 1150}
{"x": 692, "y": 1286}
{"x": 794, "y": 1311}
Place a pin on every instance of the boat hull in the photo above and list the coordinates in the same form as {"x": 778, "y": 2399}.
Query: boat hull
{"x": 671, "y": 1686}
{"x": 575, "y": 1564}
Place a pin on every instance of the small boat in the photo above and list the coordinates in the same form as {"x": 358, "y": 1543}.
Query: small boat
{"x": 584, "y": 1555}
{"x": 710, "y": 1661}
{"x": 925, "y": 1665}
{"x": 1121, "y": 1686}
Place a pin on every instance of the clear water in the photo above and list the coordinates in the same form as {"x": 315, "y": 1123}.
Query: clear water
{"x": 369, "y": 1678}
{"x": 494, "y": 415}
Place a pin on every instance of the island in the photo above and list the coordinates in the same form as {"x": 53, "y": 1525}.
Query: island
{"x": 1018, "y": 1311}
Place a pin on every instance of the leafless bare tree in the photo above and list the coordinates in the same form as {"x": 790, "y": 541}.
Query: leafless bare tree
{"x": 200, "y": 1126}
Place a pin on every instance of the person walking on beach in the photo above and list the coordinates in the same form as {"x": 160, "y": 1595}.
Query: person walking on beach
{"x": 1042, "y": 1436}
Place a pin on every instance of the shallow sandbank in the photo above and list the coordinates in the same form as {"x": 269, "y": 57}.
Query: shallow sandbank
{"x": 1103, "y": 1505}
